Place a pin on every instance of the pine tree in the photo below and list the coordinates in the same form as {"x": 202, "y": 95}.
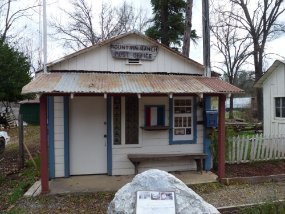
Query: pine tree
{"x": 168, "y": 22}
{"x": 14, "y": 73}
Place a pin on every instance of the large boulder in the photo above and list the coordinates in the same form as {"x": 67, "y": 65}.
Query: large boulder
{"x": 187, "y": 201}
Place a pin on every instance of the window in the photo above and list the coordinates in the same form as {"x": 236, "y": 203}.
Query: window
{"x": 183, "y": 119}
{"x": 280, "y": 107}
{"x": 125, "y": 120}
{"x": 154, "y": 116}
{"x": 117, "y": 120}
{"x": 132, "y": 119}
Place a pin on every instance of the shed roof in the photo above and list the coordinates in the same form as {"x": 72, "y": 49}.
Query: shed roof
{"x": 144, "y": 83}
{"x": 269, "y": 71}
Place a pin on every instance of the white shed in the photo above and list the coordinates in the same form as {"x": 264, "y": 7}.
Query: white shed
{"x": 273, "y": 85}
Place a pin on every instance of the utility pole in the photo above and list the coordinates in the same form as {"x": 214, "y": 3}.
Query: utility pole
{"x": 45, "y": 35}
{"x": 206, "y": 37}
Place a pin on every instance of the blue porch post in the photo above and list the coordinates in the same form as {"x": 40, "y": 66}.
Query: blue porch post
{"x": 51, "y": 136}
{"x": 109, "y": 135}
{"x": 207, "y": 140}
{"x": 66, "y": 136}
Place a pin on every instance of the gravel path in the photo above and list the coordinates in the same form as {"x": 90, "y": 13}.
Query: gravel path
{"x": 214, "y": 193}
{"x": 244, "y": 194}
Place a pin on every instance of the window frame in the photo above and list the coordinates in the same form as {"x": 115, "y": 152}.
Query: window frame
{"x": 163, "y": 115}
{"x": 280, "y": 107}
{"x": 123, "y": 126}
{"x": 193, "y": 139}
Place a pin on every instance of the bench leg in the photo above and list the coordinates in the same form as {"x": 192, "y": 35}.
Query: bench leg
{"x": 199, "y": 163}
{"x": 136, "y": 164}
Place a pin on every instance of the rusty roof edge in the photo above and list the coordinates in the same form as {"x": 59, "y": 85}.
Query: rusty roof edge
{"x": 224, "y": 82}
{"x": 55, "y": 87}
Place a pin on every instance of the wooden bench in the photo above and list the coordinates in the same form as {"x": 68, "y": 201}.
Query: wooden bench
{"x": 136, "y": 159}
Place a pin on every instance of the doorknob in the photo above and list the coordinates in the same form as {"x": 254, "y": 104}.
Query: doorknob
{"x": 105, "y": 135}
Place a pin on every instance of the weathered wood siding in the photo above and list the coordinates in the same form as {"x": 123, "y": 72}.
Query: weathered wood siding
{"x": 156, "y": 142}
{"x": 273, "y": 87}
{"x": 58, "y": 136}
{"x": 100, "y": 59}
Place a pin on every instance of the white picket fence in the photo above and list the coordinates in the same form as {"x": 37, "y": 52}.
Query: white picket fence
{"x": 255, "y": 148}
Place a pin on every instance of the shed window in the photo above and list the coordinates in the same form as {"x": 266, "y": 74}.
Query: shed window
{"x": 280, "y": 107}
{"x": 154, "y": 116}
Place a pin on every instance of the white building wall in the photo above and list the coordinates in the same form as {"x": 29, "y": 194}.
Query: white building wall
{"x": 100, "y": 59}
{"x": 274, "y": 86}
{"x": 59, "y": 136}
{"x": 156, "y": 142}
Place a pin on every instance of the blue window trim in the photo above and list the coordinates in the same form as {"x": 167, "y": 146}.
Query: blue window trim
{"x": 171, "y": 141}
{"x": 66, "y": 136}
{"x": 109, "y": 135}
{"x": 158, "y": 106}
{"x": 51, "y": 137}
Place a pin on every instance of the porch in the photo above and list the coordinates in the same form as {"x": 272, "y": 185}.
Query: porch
{"x": 97, "y": 183}
{"x": 164, "y": 100}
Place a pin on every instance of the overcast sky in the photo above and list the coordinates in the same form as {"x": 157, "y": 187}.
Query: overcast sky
{"x": 53, "y": 10}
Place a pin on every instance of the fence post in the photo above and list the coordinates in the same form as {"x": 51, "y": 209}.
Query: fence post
{"x": 238, "y": 148}
{"x": 21, "y": 142}
{"x": 259, "y": 145}
{"x": 245, "y": 154}
{"x": 264, "y": 145}
{"x": 242, "y": 149}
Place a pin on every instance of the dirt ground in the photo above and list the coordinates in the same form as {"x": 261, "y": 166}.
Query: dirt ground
{"x": 9, "y": 160}
{"x": 214, "y": 193}
{"x": 217, "y": 194}
{"x": 255, "y": 169}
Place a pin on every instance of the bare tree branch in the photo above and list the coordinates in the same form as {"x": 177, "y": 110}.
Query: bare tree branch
{"x": 80, "y": 31}
{"x": 9, "y": 16}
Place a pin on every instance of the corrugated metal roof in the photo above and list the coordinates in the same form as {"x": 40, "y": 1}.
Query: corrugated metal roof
{"x": 146, "y": 83}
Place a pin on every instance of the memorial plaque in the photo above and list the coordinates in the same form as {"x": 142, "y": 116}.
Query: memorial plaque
{"x": 155, "y": 202}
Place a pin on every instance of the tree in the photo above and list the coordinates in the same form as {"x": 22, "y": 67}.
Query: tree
{"x": 260, "y": 20}
{"x": 14, "y": 28}
{"x": 10, "y": 14}
{"x": 14, "y": 73}
{"x": 168, "y": 21}
{"x": 188, "y": 28}
{"x": 231, "y": 44}
{"x": 189, "y": 34}
{"x": 81, "y": 30}
{"x": 245, "y": 81}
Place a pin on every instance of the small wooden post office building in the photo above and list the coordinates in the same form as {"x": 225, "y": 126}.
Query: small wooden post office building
{"x": 126, "y": 95}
